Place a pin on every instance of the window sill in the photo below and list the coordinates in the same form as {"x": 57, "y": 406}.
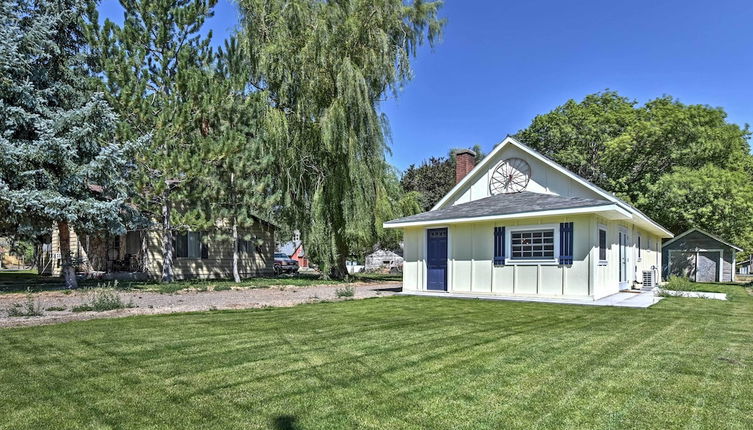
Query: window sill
{"x": 531, "y": 262}
{"x": 603, "y": 263}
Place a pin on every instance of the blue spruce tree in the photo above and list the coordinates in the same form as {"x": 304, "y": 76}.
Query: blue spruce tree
{"x": 60, "y": 163}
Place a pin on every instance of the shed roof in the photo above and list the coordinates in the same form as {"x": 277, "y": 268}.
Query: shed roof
{"x": 289, "y": 248}
{"x": 705, "y": 233}
{"x": 502, "y": 204}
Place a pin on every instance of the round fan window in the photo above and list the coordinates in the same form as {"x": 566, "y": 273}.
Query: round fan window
{"x": 510, "y": 176}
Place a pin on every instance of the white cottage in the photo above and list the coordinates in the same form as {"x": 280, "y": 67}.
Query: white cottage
{"x": 520, "y": 224}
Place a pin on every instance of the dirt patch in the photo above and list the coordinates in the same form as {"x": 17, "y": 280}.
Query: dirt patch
{"x": 181, "y": 301}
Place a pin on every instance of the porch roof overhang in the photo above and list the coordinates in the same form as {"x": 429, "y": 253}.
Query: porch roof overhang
{"x": 507, "y": 206}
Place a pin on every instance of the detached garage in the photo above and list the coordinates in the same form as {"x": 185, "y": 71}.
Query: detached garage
{"x": 699, "y": 256}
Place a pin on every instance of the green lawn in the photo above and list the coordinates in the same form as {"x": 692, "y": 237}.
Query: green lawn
{"x": 399, "y": 362}
{"x": 14, "y": 282}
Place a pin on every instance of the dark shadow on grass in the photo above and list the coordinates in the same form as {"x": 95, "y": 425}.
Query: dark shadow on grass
{"x": 285, "y": 422}
{"x": 393, "y": 289}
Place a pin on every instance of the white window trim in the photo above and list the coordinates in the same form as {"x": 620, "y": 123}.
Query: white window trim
{"x": 599, "y": 229}
{"x": 509, "y": 261}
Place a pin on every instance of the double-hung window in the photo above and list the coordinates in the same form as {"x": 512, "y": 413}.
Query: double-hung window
{"x": 532, "y": 244}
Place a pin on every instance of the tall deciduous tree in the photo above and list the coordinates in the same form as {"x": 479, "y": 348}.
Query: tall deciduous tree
{"x": 154, "y": 68}
{"x": 623, "y": 147}
{"x": 325, "y": 66}
{"x": 652, "y": 155}
{"x": 433, "y": 178}
{"x": 60, "y": 162}
{"x": 712, "y": 198}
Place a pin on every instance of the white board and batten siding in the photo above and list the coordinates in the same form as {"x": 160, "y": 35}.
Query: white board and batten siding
{"x": 471, "y": 266}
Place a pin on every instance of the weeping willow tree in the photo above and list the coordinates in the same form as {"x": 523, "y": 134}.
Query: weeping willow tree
{"x": 324, "y": 66}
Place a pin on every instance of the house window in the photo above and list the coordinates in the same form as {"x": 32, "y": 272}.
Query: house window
{"x": 639, "y": 248}
{"x": 188, "y": 245}
{"x": 602, "y": 244}
{"x": 244, "y": 246}
{"x": 532, "y": 244}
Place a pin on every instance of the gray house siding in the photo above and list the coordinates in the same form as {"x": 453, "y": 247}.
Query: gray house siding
{"x": 694, "y": 256}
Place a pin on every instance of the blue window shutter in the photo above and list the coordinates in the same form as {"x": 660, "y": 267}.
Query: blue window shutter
{"x": 499, "y": 246}
{"x": 566, "y": 243}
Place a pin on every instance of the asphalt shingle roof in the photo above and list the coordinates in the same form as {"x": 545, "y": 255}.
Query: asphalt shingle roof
{"x": 503, "y": 204}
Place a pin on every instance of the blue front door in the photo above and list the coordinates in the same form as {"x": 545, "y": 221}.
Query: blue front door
{"x": 436, "y": 259}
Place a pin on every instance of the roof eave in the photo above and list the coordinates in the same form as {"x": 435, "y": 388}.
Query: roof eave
{"x": 612, "y": 211}
{"x": 715, "y": 237}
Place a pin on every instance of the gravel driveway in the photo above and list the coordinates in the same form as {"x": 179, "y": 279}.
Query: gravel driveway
{"x": 145, "y": 302}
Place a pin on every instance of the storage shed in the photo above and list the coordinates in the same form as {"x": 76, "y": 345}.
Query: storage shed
{"x": 383, "y": 259}
{"x": 699, "y": 256}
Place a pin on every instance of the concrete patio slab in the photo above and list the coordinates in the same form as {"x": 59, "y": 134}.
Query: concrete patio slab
{"x": 623, "y": 299}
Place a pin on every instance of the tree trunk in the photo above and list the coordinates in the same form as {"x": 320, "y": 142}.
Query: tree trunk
{"x": 236, "y": 275}
{"x": 167, "y": 243}
{"x": 144, "y": 234}
{"x": 69, "y": 272}
{"x": 340, "y": 269}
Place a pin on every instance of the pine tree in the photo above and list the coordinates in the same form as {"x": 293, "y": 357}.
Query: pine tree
{"x": 60, "y": 162}
{"x": 324, "y": 67}
{"x": 154, "y": 68}
{"x": 237, "y": 186}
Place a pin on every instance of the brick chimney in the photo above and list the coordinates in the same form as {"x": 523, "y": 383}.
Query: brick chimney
{"x": 465, "y": 161}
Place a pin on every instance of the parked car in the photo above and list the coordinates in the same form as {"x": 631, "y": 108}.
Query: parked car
{"x": 285, "y": 264}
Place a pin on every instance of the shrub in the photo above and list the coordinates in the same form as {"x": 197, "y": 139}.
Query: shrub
{"x": 102, "y": 300}
{"x": 678, "y": 283}
{"x": 29, "y": 309}
{"x": 82, "y": 308}
{"x": 55, "y": 309}
{"x": 345, "y": 292}
{"x": 223, "y": 288}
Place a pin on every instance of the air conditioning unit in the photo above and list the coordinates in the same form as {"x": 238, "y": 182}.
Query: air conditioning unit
{"x": 649, "y": 279}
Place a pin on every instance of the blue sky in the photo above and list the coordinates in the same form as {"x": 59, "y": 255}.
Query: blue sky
{"x": 500, "y": 63}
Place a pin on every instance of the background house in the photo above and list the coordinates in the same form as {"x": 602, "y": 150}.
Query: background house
{"x": 138, "y": 254}
{"x": 294, "y": 249}
{"x": 744, "y": 266}
{"x": 700, "y": 256}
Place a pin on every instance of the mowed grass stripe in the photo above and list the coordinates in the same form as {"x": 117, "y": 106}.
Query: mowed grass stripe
{"x": 400, "y": 362}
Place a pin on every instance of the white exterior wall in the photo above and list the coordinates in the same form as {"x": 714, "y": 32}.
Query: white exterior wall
{"x": 543, "y": 179}
{"x": 607, "y": 274}
{"x": 471, "y": 270}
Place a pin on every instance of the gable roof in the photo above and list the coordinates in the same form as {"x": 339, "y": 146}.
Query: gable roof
{"x": 484, "y": 165}
{"x": 499, "y": 205}
{"x": 289, "y": 248}
{"x": 703, "y": 232}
